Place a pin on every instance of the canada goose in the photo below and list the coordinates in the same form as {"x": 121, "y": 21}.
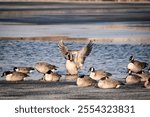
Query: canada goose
{"x": 144, "y": 76}
{"x": 108, "y": 83}
{"x": 133, "y": 79}
{"x": 79, "y": 55}
{"x": 25, "y": 70}
{"x": 71, "y": 77}
{"x": 98, "y": 74}
{"x": 147, "y": 84}
{"x": 44, "y": 67}
{"x": 85, "y": 81}
{"x": 135, "y": 65}
{"x": 70, "y": 65}
{"x": 14, "y": 76}
{"x": 51, "y": 76}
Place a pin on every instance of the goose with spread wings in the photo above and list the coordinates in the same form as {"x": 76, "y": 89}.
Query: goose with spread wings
{"x": 79, "y": 55}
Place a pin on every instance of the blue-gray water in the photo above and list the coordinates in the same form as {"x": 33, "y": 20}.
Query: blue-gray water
{"x": 109, "y": 57}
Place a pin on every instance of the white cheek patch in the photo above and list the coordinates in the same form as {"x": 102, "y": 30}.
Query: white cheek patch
{"x": 17, "y": 70}
{"x": 31, "y": 71}
{"x": 130, "y": 66}
{"x": 53, "y": 70}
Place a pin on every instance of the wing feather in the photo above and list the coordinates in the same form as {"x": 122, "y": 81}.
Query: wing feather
{"x": 63, "y": 49}
{"x": 83, "y": 53}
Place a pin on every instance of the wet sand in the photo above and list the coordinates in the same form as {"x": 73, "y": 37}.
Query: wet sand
{"x": 39, "y": 90}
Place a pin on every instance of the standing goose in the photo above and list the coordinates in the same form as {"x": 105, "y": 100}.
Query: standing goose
{"x": 107, "y": 83}
{"x": 85, "y": 81}
{"x": 147, "y": 83}
{"x": 79, "y": 55}
{"x": 44, "y": 67}
{"x": 25, "y": 70}
{"x": 70, "y": 64}
{"x": 98, "y": 74}
{"x": 135, "y": 65}
{"x": 133, "y": 79}
{"x": 51, "y": 76}
{"x": 14, "y": 76}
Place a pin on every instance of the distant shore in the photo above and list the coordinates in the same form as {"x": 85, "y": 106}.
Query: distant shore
{"x": 78, "y": 22}
{"x": 81, "y": 40}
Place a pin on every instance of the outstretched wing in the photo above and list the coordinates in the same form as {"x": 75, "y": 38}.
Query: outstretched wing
{"x": 83, "y": 53}
{"x": 63, "y": 49}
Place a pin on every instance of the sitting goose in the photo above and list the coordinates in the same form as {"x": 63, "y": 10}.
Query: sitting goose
{"x": 98, "y": 74}
{"x": 85, "y": 81}
{"x": 79, "y": 55}
{"x": 14, "y": 76}
{"x": 136, "y": 66}
{"x": 25, "y": 70}
{"x": 51, "y": 76}
{"x": 44, "y": 67}
{"x": 144, "y": 76}
{"x": 107, "y": 83}
{"x": 133, "y": 79}
{"x": 147, "y": 84}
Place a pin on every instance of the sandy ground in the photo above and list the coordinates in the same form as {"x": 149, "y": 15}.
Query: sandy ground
{"x": 39, "y": 90}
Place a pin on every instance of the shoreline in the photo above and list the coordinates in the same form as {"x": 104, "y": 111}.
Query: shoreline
{"x": 81, "y": 40}
{"x": 68, "y": 90}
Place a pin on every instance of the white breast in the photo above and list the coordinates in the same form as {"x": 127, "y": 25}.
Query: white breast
{"x": 71, "y": 67}
{"x": 9, "y": 77}
{"x": 48, "y": 77}
{"x": 133, "y": 67}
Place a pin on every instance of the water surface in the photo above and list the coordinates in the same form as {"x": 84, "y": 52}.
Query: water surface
{"x": 109, "y": 57}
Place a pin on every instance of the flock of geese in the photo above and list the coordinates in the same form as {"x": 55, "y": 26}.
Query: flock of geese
{"x": 74, "y": 61}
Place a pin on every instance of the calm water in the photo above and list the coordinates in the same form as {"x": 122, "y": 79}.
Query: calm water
{"x": 110, "y": 57}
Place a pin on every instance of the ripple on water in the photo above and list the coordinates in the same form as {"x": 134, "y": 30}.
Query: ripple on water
{"x": 110, "y": 57}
